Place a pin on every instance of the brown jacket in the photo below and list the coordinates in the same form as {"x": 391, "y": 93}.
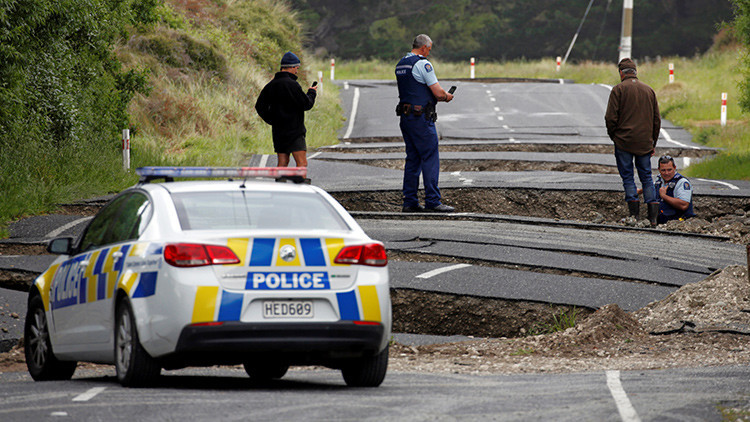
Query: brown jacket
{"x": 632, "y": 117}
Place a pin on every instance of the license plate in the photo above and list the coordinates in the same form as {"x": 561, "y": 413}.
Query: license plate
{"x": 287, "y": 309}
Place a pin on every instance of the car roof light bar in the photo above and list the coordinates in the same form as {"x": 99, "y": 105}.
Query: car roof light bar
{"x": 295, "y": 174}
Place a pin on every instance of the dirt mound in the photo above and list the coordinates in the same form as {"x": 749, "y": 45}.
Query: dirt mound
{"x": 720, "y": 302}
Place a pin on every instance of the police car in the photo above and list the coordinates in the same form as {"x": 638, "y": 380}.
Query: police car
{"x": 194, "y": 273}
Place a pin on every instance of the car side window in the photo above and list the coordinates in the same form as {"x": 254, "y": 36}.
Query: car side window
{"x": 123, "y": 219}
{"x": 125, "y": 225}
{"x": 97, "y": 230}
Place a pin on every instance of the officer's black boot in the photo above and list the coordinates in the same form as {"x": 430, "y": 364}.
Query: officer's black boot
{"x": 653, "y": 213}
{"x": 634, "y": 208}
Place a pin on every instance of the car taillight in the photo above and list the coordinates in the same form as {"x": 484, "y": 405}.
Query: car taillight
{"x": 372, "y": 254}
{"x": 196, "y": 255}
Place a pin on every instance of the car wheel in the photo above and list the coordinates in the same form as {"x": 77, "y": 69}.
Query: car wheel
{"x": 265, "y": 371}
{"x": 40, "y": 360}
{"x": 366, "y": 372}
{"x": 135, "y": 367}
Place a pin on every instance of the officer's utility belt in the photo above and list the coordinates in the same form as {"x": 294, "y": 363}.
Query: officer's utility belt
{"x": 404, "y": 109}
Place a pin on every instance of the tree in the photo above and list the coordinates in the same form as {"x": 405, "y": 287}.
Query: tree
{"x": 742, "y": 29}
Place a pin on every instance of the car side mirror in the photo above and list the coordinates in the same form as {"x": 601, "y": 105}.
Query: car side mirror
{"x": 60, "y": 246}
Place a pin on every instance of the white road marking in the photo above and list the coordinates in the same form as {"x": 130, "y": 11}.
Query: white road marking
{"x": 488, "y": 91}
{"x": 346, "y": 85}
{"x": 562, "y": 81}
{"x": 59, "y": 230}
{"x": 263, "y": 160}
{"x": 731, "y": 186}
{"x": 492, "y": 99}
{"x": 497, "y": 108}
{"x": 506, "y": 127}
{"x": 438, "y": 271}
{"x": 501, "y": 118}
{"x": 59, "y": 414}
{"x": 355, "y": 104}
{"x": 627, "y": 412}
{"x": 456, "y": 173}
{"x": 669, "y": 139}
{"x": 468, "y": 181}
{"x": 90, "y": 394}
{"x": 513, "y": 141}
{"x": 609, "y": 87}
{"x": 314, "y": 155}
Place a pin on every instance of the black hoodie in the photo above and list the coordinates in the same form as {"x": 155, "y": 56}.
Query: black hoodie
{"x": 282, "y": 104}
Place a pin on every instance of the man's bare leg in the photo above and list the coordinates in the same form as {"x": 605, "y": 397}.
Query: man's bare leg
{"x": 300, "y": 158}
{"x": 283, "y": 159}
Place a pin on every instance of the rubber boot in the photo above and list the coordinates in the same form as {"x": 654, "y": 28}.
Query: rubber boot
{"x": 634, "y": 208}
{"x": 653, "y": 213}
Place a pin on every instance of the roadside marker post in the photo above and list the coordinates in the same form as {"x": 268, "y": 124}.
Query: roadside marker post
{"x": 723, "y": 109}
{"x": 320, "y": 80}
{"x": 671, "y": 73}
{"x": 472, "y": 68}
{"x": 126, "y": 149}
{"x": 559, "y": 59}
{"x": 333, "y": 66}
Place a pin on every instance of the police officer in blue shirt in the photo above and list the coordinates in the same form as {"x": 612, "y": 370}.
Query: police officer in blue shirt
{"x": 674, "y": 191}
{"x": 418, "y": 92}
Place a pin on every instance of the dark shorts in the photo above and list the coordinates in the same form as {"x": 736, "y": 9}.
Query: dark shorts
{"x": 285, "y": 146}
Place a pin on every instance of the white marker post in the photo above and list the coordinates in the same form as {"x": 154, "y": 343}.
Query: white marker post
{"x": 472, "y": 68}
{"x": 723, "y": 109}
{"x": 671, "y": 73}
{"x": 333, "y": 70}
{"x": 126, "y": 149}
{"x": 320, "y": 80}
{"x": 559, "y": 60}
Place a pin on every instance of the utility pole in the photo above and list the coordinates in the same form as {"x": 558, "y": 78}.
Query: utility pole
{"x": 626, "y": 35}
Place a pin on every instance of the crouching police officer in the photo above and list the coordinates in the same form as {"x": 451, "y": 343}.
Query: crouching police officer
{"x": 674, "y": 191}
{"x": 419, "y": 91}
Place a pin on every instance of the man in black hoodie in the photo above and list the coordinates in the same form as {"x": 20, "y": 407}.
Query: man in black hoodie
{"x": 282, "y": 104}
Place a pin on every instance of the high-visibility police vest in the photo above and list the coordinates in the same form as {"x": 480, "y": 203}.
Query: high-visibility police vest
{"x": 665, "y": 209}
{"x": 409, "y": 90}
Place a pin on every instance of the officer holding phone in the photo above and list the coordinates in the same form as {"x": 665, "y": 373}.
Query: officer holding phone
{"x": 419, "y": 91}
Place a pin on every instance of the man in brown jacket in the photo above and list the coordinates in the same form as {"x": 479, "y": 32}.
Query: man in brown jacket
{"x": 633, "y": 124}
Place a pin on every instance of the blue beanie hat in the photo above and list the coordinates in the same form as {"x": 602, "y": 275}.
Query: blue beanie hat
{"x": 289, "y": 60}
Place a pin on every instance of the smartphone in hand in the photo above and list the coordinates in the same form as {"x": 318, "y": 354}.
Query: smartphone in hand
{"x": 452, "y": 90}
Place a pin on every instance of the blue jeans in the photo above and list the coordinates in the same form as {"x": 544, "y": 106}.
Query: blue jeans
{"x": 643, "y": 165}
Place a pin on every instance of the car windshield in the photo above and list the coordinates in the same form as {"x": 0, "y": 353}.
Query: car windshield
{"x": 255, "y": 210}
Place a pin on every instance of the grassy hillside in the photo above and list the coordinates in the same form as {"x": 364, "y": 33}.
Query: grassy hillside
{"x": 193, "y": 72}
{"x": 693, "y": 101}
{"x": 208, "y": 61}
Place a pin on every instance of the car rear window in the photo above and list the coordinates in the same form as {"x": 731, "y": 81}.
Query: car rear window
{"x": 255, "y": 210}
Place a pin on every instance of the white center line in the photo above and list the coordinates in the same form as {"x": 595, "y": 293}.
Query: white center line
{"x": 314, "y": 155}
{"x": 59, "y": 414}
{"x": 627, "y": 412}
{"x": 263, "y": 160}
{"x": 435, "y": 272}
{"x": 731, "y": 186}
{"x": 492, "y": 99}
{"x": 355, "y": 104}
{"x": 501, "y": 118}
{"x": 497, "y": 108}
{"x": 59, "y": 230}
{"x": 506, "y": 127}
{"x": 669, "y": 139}
{"x": 90, "y": 394}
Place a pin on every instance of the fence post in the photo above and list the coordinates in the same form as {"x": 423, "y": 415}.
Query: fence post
{"x": 126, "y": 149}
{"x": 671, "y": 73}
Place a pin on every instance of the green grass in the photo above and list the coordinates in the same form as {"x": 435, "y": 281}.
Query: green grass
{"x": 692, "y": 102}
{"x": 561, "y": 321}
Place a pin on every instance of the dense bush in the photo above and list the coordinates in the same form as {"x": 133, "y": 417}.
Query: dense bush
{"x": 63, "y": 95}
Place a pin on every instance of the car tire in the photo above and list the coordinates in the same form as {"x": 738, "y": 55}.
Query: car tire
{"x": 40, "y": 359}
{"x": 265, "y": 371}
{"x": 134, "y": 366}
{"x": 367, "y": 371}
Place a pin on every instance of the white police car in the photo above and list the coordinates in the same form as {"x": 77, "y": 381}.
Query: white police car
{"x": 193, "y": 273}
